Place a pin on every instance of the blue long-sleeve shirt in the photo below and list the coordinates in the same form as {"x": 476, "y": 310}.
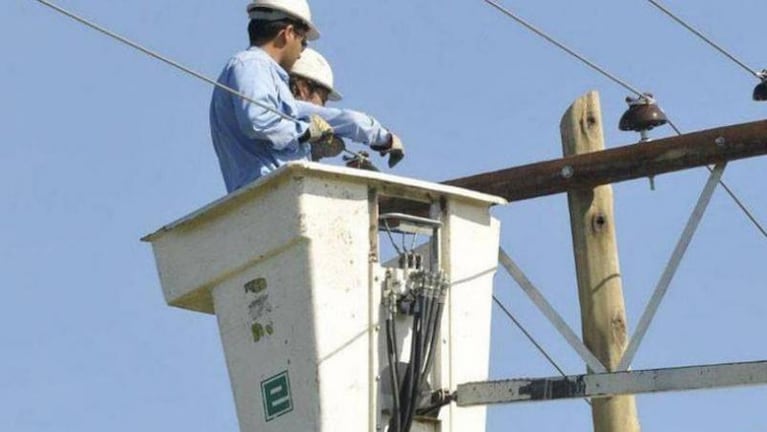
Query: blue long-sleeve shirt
{"x": 251, "y": 141}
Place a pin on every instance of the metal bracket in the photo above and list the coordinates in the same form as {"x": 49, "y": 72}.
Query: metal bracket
{"x": 548, "y": 310}
{"x": 671, "y": 267}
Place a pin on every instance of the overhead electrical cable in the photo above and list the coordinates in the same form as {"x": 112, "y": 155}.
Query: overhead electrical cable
{"x": 705, "y": 39}
{"x": 532, "y": 28}
{"x": 163, "y": 59}
{"x": 562, "y": 46}
{"x": 627, "y": 86}
{"x": 760, "y": 91}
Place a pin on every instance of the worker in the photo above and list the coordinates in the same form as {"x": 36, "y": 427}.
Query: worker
{"x": 311, "y": 82}
{"x": 250, "y": 140}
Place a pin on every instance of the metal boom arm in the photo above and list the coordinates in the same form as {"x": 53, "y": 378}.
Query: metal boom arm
{"x": 611, "y": 384}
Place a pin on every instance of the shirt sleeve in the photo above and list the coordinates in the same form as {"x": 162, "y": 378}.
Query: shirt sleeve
{"x": 354, "y": 125}
{"x": 254, "y": 79}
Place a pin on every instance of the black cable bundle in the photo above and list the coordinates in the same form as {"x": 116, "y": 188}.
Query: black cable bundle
{"x": 391, "y": 347}
{"x": 438, "y": 299}
{"x": 429, "y": 291}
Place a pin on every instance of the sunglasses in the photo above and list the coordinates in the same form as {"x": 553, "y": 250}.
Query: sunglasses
{"x": 302, "y": 35}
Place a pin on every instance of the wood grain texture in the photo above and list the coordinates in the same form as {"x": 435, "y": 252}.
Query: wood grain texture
{"x": 600, "y": 291}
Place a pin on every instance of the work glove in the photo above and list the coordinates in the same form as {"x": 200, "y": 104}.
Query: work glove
{"x": 394, "y": 148}
{"x": 320, "y": 136}
{"x": 319, "y": 130}
{"x": 333, "y": 149}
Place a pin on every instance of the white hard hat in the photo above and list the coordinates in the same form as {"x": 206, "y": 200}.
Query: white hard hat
{"x": 298, "y": 9}
{"x": 312, "y": 65}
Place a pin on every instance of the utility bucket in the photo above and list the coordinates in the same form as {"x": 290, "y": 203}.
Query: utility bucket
{"x": 317, "y": 332}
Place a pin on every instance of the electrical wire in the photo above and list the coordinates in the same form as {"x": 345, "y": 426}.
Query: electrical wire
{"x": 409, "y": 390}
{"x": 704, "y": 38}
{"x": 392, "y": 350}
{"x": 499, "y": 7}
{"x": 627, "y": 86}
{"x": 540, "y": 33}
{"x": 530, "y": 338}
{"x": 204, "y": 78}
{"x": 391, "y": 238}
{"x": 740, "y": 204}
{"x": 438, "y": 295}
{"x": 163, "y": 59}
{"x": 731, "y": 193}
{"x": 528, "y": 335}
{"x": 234, "y": 92}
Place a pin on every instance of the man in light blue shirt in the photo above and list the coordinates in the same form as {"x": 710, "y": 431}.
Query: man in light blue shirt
{"x": 250, "y": 140}
{"x": 312, "y": 84}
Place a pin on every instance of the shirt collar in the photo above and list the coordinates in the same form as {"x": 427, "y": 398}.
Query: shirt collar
{"x": 261, "y": 53}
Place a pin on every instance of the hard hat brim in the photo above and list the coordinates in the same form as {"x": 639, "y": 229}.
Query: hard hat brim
{"x": 313, "y": 33}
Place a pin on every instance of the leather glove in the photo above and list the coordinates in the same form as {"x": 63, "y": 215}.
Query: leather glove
{"x": 319, "y": 130}
{"x": 333, "y": 149}
{"x": 394, "y": 148}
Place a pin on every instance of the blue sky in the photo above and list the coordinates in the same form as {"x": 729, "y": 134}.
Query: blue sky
{"x": 102, "y": 145}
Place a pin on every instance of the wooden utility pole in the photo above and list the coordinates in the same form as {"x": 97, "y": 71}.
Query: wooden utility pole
{"x": 603, "y": 314}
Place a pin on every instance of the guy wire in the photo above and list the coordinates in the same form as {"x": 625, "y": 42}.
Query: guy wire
{"x": 530, "y": 338}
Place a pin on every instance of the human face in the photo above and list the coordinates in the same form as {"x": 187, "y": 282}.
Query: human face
{"x": 320, "y": 95}
{"x": 304, "y": 40}
{"x": 295, "y": 40}
{"x": 309, "y": 91}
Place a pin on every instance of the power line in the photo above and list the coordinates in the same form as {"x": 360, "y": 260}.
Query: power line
{"x": 704, "y": 38}
{"x": 629, "y": 87}
{"x": 540, "y": 33}
{"x": 234, "y": 92}
{"x": 164, "y": 59}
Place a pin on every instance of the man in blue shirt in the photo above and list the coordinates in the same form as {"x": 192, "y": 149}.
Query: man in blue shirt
{"x": 251, "y": 140}
{"x": 311, "y": 80}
